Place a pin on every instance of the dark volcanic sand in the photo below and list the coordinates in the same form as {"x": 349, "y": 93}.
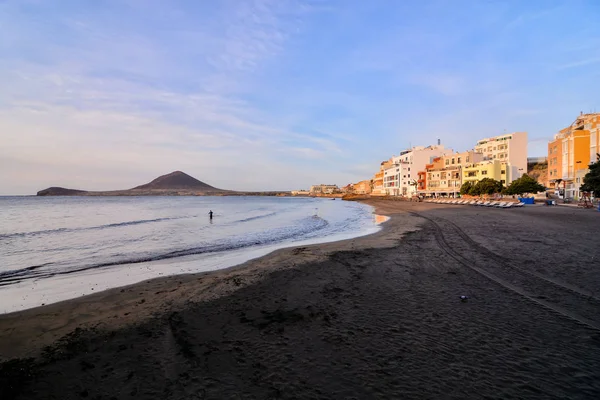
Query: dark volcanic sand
{"x": 360, "y": 322}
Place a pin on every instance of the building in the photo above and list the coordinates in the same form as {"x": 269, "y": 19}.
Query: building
{"x": 378, "y": 189}
{"x": 554, "y": 161}
{"x": 594, "y": 128}
{"x": 422, "y": 181}
{"x": 363, "y": 187}
{"x": 510, "y": 149}
{"x": 400, "y": 179}
{"x": 493, "y": 169}
{"x": 300, "y": 192}
{"x": 324, "y": 189}
{"x": 579, "y": 175}
{"x": 571, "y": 151}
{"x": 349, "y": 188}
{"x": 391, "y": 179}
{"x": 444, "y": 176}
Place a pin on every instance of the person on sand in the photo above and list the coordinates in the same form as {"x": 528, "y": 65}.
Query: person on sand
{"x": 210, "y": 214}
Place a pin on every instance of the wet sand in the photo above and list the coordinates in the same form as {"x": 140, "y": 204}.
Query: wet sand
{"x": 372, "y": 317}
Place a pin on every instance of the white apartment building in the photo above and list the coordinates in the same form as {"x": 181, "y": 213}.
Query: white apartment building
{"x": 510, "y": 148}
{"x": 400, "y": 179}
{"x": 391, "y": 178}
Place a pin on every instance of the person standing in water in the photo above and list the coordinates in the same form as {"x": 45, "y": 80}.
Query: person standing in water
{"x": 210, "y": 214}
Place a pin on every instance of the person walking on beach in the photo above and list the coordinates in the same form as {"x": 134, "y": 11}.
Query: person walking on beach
{"x": 210, "y": 214}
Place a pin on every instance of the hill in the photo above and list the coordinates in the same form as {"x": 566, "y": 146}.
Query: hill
{"x": 177, "y": 181}
{"x": 539, "y": 172}
{"x": 174, "y": 184}
{"x": 59, "y": 191}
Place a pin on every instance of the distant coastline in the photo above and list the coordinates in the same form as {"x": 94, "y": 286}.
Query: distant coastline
{"x": 174, "y": 184}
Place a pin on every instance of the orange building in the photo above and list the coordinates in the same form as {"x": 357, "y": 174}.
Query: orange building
{"x": 363, "y": 187}
{"x": 377, "y": 188}
{"x": 554, "y": 160}
{"x": 571, "y": 151}
{"x": 422, "y": 179}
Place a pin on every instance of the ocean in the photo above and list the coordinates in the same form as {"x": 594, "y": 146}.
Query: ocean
{"x": 58, "y": 248}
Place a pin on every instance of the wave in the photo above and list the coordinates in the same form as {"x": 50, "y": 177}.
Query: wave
{"x": 301, "y": 228}
{"x": 255, "y": 217}
{"x": 89, "y": 228}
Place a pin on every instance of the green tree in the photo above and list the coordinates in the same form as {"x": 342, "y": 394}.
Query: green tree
{"x": 486, "y": 186}
{"x": 466, "y": 188}
{"x": 525, "y": 184}
{"x": 591, "y": 180}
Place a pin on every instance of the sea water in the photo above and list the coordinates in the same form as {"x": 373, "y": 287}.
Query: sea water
{"x": 57, "y": 248}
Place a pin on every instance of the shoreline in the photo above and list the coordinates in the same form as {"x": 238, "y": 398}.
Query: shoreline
{"x": 100, "y": 309}
{"x": 378, "y": 316}
{"x": 64, "y": 286}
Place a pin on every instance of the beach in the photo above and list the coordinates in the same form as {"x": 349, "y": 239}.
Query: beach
{"x": 378, "y": 316}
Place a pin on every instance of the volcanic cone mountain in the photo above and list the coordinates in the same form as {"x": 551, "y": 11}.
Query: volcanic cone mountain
{"x": 177, "y": 181}
{"x": 173, "y": 184}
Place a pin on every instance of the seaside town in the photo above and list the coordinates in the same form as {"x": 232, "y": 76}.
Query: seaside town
{"x": 439, "y": 171}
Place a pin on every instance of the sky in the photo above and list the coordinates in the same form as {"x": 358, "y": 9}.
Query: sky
{"x": 278, "y": 94}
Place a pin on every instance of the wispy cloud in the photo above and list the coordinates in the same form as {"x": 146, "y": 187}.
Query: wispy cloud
{"x": 579, "y": 63}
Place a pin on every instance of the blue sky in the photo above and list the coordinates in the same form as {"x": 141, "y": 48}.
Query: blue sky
{"x": 278, "y": 94}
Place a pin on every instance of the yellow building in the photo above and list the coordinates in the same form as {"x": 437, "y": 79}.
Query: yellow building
{"x": 577, "y": 145}
{"x": 444, "y": 175}
{"x": 495, "y": 169}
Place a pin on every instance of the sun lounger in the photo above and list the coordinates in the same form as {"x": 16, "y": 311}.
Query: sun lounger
{"x": 493, "y": 204}
{"x": 500, "y": 204}
{"x": 519, "y": 204}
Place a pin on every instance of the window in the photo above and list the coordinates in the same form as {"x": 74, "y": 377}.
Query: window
{"x": 447, "y": 162}
{"x": 453, "y": 161}
{"x": 458, "y": 162}
{"x": 503, "y": 172}
{"x": 471, "y": 173}
{"x": 467, "y": 158}
{"x": 409, "y": 168}
{"x": 484, "y": 172}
